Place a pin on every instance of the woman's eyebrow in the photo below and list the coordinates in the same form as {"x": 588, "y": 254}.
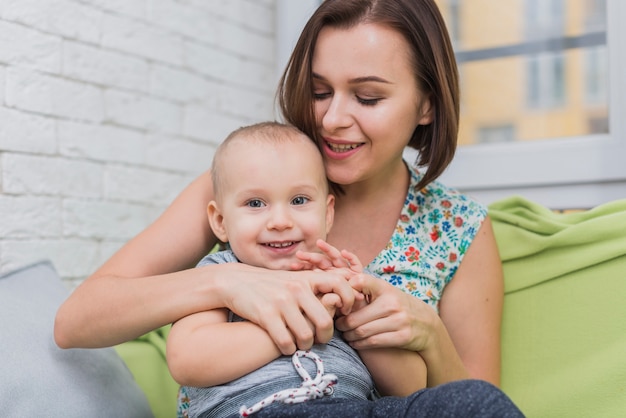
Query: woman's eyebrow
{"x": 368, "y": 78}
{"x": 357, "y": 80}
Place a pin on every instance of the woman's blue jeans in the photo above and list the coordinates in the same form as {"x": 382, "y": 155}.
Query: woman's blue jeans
{"x": 464, "y": 398}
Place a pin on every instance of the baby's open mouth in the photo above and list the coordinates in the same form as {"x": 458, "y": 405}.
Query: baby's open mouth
{"x": 280, "y": 244}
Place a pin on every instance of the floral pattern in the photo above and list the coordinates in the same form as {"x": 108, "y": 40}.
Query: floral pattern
{"x": 183, "y": 403}
{"x": 434, "y": 231}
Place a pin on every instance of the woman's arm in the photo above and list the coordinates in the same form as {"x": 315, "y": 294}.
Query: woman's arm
{"x": 148, "y": 283}
{"x": 396, "y": 372}
{"x": 471, "y": 307}
{"x": 204, "y": 349}
{"x": 463, "y": 342}
{"x": 145, "y": 285}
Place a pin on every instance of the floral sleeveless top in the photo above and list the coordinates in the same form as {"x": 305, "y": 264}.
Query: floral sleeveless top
{"x": 436, "y": 227}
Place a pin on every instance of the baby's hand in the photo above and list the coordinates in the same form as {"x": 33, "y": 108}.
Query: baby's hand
{"x": 331, "y": 302}
{"x": 332, "y": 259}
{"x": 329, "y": 258}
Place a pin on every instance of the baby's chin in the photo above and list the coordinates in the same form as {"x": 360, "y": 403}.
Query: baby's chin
{"x": 282, "y": 264}
{"x": 279, "y": 263}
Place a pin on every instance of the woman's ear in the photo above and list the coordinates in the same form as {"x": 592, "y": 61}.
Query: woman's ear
{"x": 426, "y": 111}
{"x": 216, "y": 220}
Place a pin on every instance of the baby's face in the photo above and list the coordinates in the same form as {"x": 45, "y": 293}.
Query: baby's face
{"x": 274, "y": 202}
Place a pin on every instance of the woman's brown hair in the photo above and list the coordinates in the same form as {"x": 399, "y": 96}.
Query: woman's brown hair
{"x": 422, "y": 26}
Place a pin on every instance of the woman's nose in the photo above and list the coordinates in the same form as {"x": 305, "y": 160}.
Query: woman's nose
{"x": 336, "y": 115}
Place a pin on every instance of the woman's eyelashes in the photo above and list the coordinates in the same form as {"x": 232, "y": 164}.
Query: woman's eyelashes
{"x": 321, "y": 96}
{"x": 364, "y": 100}
{"x": 368, "y": 101}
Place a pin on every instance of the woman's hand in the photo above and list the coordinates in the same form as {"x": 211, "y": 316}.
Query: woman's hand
{"x": 286, "y": 304}
{"x": 387, "y": 317}
{"x": 392, "y": 318}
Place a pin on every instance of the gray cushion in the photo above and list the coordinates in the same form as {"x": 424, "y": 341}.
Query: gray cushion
{"x": 40, "y": 379}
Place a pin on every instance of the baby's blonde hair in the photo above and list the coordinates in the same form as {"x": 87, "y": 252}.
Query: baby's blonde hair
{"x": 266, "y": 132}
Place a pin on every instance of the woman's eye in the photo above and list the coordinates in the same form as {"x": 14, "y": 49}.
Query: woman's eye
{"x": 300, "y": 200}
{"x": 255, "y": 203}
{"x": 321, "y": 95}
{"x": 367, "y": 102}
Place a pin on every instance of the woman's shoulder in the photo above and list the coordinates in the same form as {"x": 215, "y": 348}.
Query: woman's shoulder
{"x": 437, "y": 197}
{"x": 436, "y": 227}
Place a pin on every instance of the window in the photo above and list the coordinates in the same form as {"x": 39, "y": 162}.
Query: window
{"x": 546, "y": 81}
{"x": 492, "y": 134}
{"x": 543, "y": 99}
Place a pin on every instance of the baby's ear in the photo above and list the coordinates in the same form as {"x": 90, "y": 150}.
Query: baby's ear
{"x": 216, "y": 220}
{"x": 330, "y": 212}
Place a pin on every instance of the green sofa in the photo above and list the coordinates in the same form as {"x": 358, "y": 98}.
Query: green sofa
{"x": 564, "y": 322}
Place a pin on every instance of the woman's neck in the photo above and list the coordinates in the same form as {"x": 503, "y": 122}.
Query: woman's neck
{"x": 367, "y": 213}
{"x": 383, "y": 190}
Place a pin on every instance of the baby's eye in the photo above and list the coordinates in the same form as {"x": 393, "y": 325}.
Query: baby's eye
{"x": 255, "y": 203}
{"x": 299, "y": 200}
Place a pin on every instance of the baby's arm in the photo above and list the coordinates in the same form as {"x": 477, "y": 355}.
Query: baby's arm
{"x": 396, "y": 372}
{"x": 204, "y": 349}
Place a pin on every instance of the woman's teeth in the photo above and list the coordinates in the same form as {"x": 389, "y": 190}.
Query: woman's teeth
{"x": 342, "y": 147}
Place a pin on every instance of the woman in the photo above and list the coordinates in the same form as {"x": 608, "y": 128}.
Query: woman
{"x": 366, "y": 79}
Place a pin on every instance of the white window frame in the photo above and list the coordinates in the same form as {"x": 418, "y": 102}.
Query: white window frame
{"x": 572, "y": 172}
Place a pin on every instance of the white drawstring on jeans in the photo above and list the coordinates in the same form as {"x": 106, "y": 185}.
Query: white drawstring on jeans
{"x": 316, "y": 388}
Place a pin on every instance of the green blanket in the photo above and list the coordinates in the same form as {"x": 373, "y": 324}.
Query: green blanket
{"x": 564, "y": 323}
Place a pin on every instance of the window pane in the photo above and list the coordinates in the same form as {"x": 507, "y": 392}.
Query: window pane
{"x": 530, "y": 69}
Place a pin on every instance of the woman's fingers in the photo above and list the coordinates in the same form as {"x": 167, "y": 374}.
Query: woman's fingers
{"x": 286, "y": 304}
{"x": 311, "y": 309}
{"x": 391, "y": 319}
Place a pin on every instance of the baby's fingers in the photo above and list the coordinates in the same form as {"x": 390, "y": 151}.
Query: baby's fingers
{"x": 333, "y": 254}
{"x": 353, "y": 260}
{"x": 314, "y": 260}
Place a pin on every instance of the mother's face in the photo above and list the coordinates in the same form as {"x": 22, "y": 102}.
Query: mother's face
{"x": 367, "y": 101}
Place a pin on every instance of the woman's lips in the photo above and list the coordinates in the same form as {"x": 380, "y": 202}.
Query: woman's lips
{"x": 339, "y": 151}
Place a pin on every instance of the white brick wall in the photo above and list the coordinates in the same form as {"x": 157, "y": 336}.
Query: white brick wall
{"x": 108, "y": 108}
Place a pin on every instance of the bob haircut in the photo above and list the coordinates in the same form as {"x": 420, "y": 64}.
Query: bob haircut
{"x": 433, "y": 62}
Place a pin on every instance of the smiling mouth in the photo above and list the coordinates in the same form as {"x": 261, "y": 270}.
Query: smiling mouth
{"x": 342, "y": 147}
{"x": 280, "y": 244}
